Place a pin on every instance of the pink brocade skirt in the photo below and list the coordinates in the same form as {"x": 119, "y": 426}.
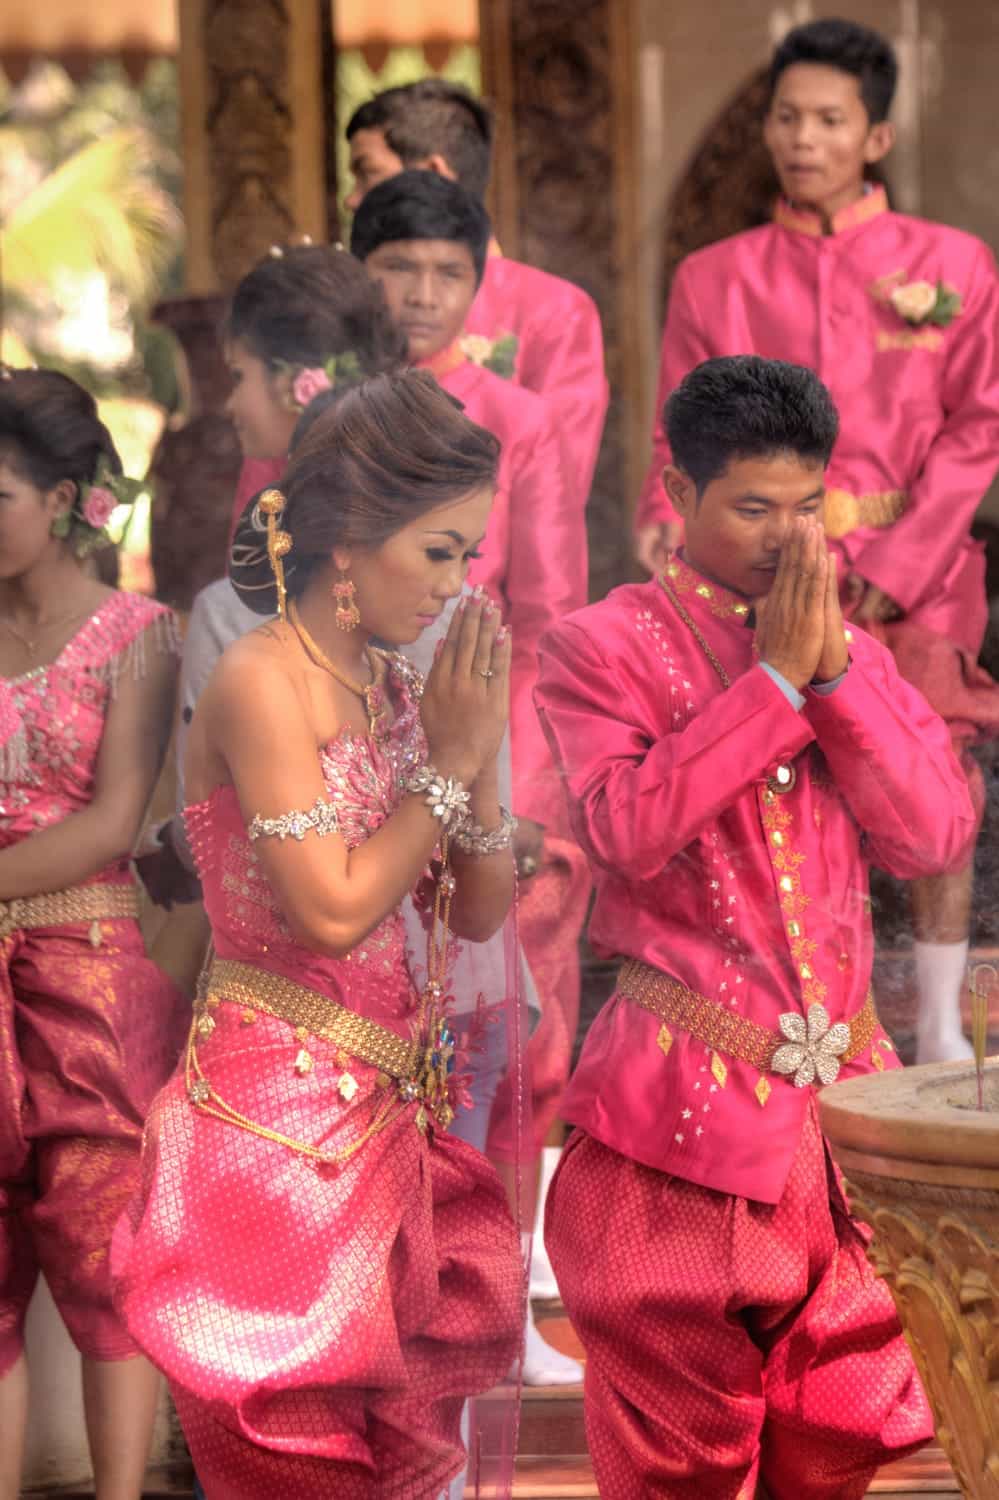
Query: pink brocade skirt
{"x": 87, "y": 1037}
{"x": 322, "y": 1328}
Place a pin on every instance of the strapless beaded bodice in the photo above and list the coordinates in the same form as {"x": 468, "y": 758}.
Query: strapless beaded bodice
{"x": 62, "y": 709}
{"x": 365, "y": 783}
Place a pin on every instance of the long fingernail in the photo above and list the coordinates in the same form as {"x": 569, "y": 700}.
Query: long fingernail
{"x": 478, "y": 593}
{"x": 461, "y": 604}
{"x": 502, "y": 634}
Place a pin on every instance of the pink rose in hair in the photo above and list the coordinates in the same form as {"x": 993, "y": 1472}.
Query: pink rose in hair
{"x": 98, "y": 506}
{"x": 308, "y": 384}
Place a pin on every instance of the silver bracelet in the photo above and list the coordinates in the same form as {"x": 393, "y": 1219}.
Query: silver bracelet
{"x": 472, "y": 838}
{"x": 322, "y": 816}
{"x": 444, "y": 795}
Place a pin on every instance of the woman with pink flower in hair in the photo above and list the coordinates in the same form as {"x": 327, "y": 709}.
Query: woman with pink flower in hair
{"x": 305, "y": 319}
{"x": 89, "y": 1028}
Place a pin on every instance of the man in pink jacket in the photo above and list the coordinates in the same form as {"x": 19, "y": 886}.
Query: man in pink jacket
{"x": 900, "y": 318}
{"x": 549, "y": 328}
{"x": 734, "y": 758}
{"x": 425, "y": 239}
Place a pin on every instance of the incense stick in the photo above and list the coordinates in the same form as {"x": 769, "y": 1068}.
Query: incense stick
{"x": 983, "y": 980}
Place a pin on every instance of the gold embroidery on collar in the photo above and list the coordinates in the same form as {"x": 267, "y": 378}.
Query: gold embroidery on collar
{"x": 807, "y": 221}
{"x": 721, "y": 601}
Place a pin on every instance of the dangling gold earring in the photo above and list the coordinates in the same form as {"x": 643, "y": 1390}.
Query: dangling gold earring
{"x": 348, "y": 616}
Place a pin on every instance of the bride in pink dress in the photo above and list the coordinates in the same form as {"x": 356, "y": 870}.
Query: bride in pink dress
{"x": 323, "y": 1273}
{"x": 89, "y": 1028}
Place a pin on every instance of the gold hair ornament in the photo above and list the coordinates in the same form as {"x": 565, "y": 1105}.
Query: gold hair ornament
{"x": 271, "y": 505}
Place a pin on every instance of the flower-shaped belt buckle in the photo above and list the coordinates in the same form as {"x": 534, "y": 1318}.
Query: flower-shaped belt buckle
{"x": 813, "y": 1047}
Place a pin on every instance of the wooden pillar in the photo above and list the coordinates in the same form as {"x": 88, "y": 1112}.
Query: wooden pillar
{"x": 561, "y": 75}
{"x": 256, "y": 91}
{"x": 253, "y": 131}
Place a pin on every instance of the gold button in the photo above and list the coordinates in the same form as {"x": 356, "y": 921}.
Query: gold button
{"x": 777, "y": 838}
{"x": 786, "y": 883}
{"x": 740, "y": 609}
{"x": 805, "y": 972}
{"x": 703, "y": 590}
{"x": 794, "y": 929}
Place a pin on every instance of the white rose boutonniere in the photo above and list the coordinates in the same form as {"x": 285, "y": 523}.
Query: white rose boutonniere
{"x": 920, "y": 302}
{"x": 498, "y": 355}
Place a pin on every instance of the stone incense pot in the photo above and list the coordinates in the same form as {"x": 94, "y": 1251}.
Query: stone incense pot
{"x": 921, "y": 1164}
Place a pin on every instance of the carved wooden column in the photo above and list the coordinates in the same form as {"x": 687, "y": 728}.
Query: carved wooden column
{"x": 255, "y": 84}
{"x": 253, "y": 131}
{"x": 561, "y": 74}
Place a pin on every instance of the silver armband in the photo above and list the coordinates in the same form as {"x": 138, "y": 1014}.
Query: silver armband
{"x": 322, "y": 816}
{"x": 472, "y": 838}
{"x": 444, "y": 795}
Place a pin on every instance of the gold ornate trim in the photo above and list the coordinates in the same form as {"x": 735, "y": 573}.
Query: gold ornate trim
{"x": 844, "y": 512}
{"x": 258, "y": 990}
{"x": 79, "y": 903}
{"x": 709, "y": 1022}
{"x": 871, "y": 205}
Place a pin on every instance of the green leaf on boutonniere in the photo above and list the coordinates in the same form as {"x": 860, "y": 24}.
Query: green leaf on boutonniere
{"x": 502, "y": 358}
{"x": 947, "y": 306}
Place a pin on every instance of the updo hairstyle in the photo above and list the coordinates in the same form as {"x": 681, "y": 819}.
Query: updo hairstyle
{"x": 369, "y": 461}
{"x": 50, "y": 430}
{"x": 303, "y": 305}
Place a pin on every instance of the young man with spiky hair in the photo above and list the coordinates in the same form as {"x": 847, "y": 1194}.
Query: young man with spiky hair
{"x": 734, "y": 758}
{"x": 899, "y": 316}
{"x": 441, "y": 127}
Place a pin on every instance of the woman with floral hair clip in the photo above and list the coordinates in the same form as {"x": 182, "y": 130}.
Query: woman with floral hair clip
{"x": 89, "y": 1028}
{"x": 306, "y": 319}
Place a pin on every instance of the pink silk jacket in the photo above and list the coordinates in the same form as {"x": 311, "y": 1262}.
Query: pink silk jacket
{"x": 533, "y": 559}
{"x": 560, "y": 353}
{"x": 753, "y": 899}
{"x": 918, "y": 403}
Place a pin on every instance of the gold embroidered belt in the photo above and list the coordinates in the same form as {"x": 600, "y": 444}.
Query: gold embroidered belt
{"x": 844, "y": 512}
{"x": 258, "y": 990}
{"x": 79, "y": 903}
{"x": 708, "y": 1021}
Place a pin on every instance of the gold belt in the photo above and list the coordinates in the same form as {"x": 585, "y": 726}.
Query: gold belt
{"x": 414, "y": 1065}
{"x": 80, "y": 903}
{"x": 844, "y": 512}
{"x": 725, "y": 1031}
{"x": 259, "y": 990}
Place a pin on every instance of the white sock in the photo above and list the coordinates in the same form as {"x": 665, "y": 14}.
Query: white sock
{"x": 941, "y": 976}
{"x": 543, "y": 1283}
{"x": 544, "y": 1365}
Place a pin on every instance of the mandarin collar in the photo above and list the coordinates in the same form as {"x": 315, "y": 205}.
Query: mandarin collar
{"x": 871, "y": 205}
{"x": 444, "y": 361}
{"x": 689, "y": 585}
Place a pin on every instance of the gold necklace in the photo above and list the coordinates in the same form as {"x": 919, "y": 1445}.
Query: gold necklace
{"x": 371, "y": 695}
{"x": 691, "y": 625}
{"x": 31, "y": 644}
